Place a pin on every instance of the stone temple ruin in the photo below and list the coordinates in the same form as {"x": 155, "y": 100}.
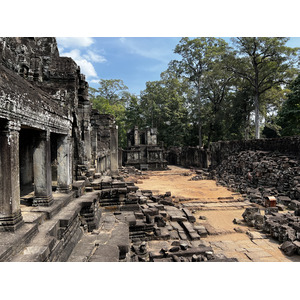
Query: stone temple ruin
{"x": 63, "y": 196}
{"x": 51, "y": 139}
{"x": 143, "y": 152}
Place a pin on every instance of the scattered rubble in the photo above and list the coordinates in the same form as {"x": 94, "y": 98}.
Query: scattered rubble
{"x": 285, "y": 227}
{"x": 260, "y": 174}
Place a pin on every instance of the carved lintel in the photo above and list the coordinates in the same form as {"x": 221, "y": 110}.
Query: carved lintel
{"x": 12, "y": 125}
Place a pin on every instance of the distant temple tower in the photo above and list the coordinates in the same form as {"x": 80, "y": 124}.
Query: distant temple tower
{"x": 143, "y": 152}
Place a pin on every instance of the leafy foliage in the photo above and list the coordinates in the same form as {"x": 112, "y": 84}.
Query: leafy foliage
{"x": 213, "y": 93}
{"x": 289, "y": 115}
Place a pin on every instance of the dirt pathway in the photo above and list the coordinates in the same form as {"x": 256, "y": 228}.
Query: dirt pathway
{"x": 178, "y": 182}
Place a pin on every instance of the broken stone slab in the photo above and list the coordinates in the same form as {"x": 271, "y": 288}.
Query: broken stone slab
{"x": 288, "y": 248}
{"x": 255, "y": 235}
{"x": 174, "y": 235}
{"x": 191, "y": 218}
{"x": 280, "y": 207}
{"x": 190, "y": 230}
{"x": 78, "y": 187}
{"x": 271, "y": 210}
{"x": 284, "y": 200}
{"x": 238, "y": 229}
{"x": 294, "y": 205}
{"x": 164, "y": 233}
{"x": 238, "y": 221}
{"x": 189, "y": 252}
{"x": 297, "y": 244}
{"x": 130, "y": 219}
{"x": 174, "y": 249}
{"x": 175, "y": 214}
{"x": 182, "y": 235}
{"x": 160, "y": 221}
{"x": 201, "y": 230}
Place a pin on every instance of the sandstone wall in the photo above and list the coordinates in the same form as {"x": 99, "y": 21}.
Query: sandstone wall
{"x": 187, "y": 157}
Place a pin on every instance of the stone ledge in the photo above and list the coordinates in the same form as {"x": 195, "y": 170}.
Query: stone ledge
{"x": 12, "y": 243}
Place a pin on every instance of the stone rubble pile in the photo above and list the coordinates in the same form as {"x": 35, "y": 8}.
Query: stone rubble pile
{"x": 285, "y": 227}
{"x": 175, "y": 251}
{"x": 201, "y": 175}
{"x": 162, "y": 231}
{"x": 159, "y": 228}
{"x": 258, "y": 174}
{"x": 129, "y": 170}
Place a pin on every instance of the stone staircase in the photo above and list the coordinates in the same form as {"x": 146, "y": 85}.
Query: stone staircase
{"x": 51, "y": 233}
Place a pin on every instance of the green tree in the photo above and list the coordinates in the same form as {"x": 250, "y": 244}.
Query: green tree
{"x": 265, "y": 62}
{"x": 163, "y": 105}
{"x": 199, "y": 55}
{"x": 216, "y": 86}
{"x": 289, "y": 115}
{"x": 111, "y": 97}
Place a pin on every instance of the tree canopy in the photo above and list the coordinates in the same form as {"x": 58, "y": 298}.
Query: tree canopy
{"x": 214, "y": 92}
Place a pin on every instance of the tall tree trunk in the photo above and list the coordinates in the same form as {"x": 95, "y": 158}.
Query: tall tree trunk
{"x": 199, "y": 117}
{"x": 256, "y": 104}
{"x": 256, "y": 100}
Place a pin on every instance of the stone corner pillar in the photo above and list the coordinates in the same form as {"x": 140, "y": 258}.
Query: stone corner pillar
{"x": 64, "y": 164}
{"x": 42, "y": 170}
{"x": 10, "y": 213}
{"x": 114, "y": 162}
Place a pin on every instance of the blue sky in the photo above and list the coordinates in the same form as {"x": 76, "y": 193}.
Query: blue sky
{"x": 135, "y": 60}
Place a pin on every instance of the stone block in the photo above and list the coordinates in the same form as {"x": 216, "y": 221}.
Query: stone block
{"x": 189, "y": 215}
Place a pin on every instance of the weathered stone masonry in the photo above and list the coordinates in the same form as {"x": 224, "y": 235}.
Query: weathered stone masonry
{"x": 219, "y": 151}
{"x": 142, "y": 151}
{"x": 49, "y": 135}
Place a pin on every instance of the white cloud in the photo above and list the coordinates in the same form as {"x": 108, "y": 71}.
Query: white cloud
{"x": 146, "y": 48}
{"x": 75, "y": 42}
{"x": 86, "y": 66}
{"x": 95, "y": 80}
{"x": 92, "y": 56}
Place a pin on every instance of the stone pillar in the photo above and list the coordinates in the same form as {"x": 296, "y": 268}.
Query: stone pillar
{"x": 136, "y": 136}
{"x": 10, "y": 212}
{"x": 87, "y": 144}
{"x": 102, "y": 165}
{"x": 42, "y": 170}
{"x": 94, "y": 148}
{"x": 148, "y": 137}
{"x": 114, "y": 163}
{"x": 64, "y": 164}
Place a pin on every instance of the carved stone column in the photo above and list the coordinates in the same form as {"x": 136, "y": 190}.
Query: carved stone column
{"x": 64, "y": 164}
{"x": 87, "y": 143}
{"x": 42, "y": 170}
{"x": 10, "y": 212}
{"x": 136, "y": 136}
{"x": 114, "y": 150}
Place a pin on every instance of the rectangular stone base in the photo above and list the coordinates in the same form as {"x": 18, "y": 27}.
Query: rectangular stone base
{"x": 64, "y": 189}
{"x": 12, "y": 222}
{"x": 43, "y": 201}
